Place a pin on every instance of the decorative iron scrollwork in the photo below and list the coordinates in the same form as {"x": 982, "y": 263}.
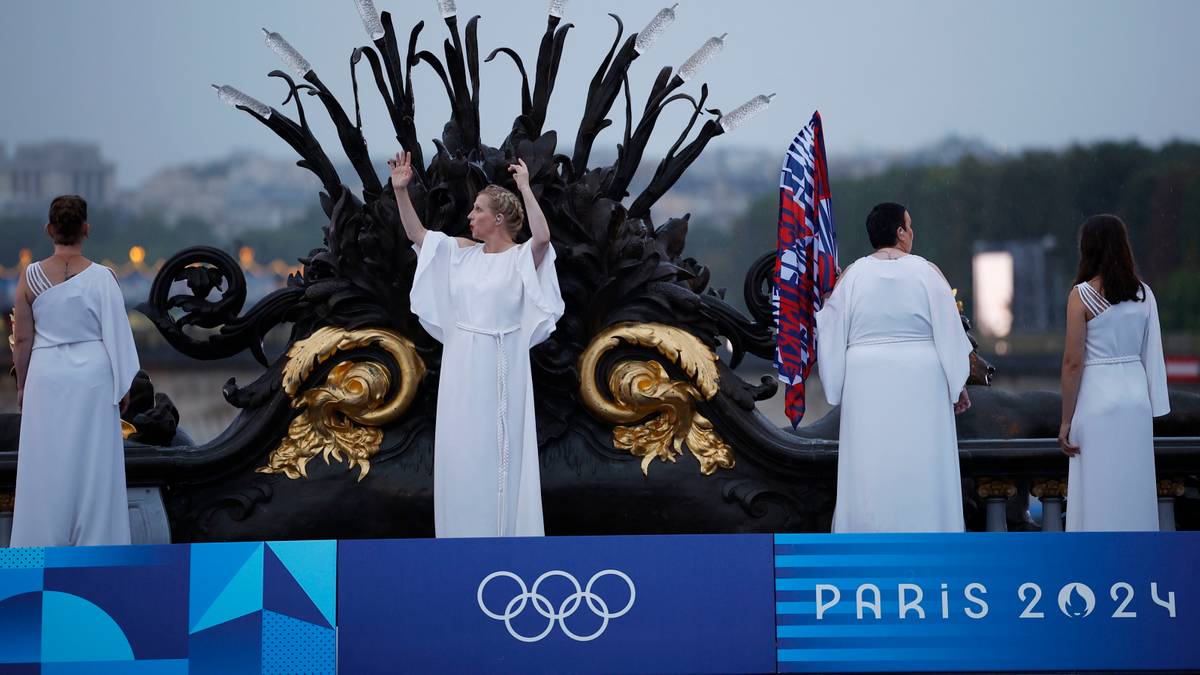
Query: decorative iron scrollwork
{"x": 639, "y": 389}
{"x": 205, "y": 328}
{"x": 342, "y": 417}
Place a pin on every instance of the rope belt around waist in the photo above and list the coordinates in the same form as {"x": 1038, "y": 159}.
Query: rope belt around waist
{"x": 888, "y": 341}
{"x": 43, "y": 345}
{"x": 1111, "y": 359}
{"x": 501, "y": 412}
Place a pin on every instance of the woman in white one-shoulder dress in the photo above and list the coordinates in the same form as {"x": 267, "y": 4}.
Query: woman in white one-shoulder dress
{"x": 1114, "y": 382}
{"x": 75, "y": 360}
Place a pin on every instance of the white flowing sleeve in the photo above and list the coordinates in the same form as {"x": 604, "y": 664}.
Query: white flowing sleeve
{"x": 430, "y": 294}
{"x": 117, "y": 336}
{"x": 833, "y": 329}
{"x": 949, "y": 338}
{"x": 542, "y": 305}
{"x": 1153, "y": 360}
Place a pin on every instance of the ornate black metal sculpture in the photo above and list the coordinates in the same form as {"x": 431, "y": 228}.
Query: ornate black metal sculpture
{"x": 629, "y": 380}
{"x": 616, "y": 269}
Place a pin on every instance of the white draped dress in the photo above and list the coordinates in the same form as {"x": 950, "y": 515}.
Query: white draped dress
{"x": 1111, "y": 482}
{"x": 71, "y": 462}
{"x": 892, "y": 350}
{"x": 487, "y": 310}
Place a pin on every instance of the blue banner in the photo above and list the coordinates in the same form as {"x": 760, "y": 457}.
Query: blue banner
{"x": 227, "y": 609}
{"x": 697, "y": 604}
{"x": 725, "y": 603}
{"x": 994, "y": 602}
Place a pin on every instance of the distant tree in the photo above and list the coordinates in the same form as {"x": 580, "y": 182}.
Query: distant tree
{"x": 1027, "y": 196}
{"x": 289, "y": 242}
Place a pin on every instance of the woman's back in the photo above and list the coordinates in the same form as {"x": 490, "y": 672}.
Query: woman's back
{"x": 71, "y": 474}
{"x": 889, "y": 302}
{"x": 1122, "y": 385}
{"x": 67, "y": 311}
{"x": 1115, "y": 331}
{"x": 893, "y": 352}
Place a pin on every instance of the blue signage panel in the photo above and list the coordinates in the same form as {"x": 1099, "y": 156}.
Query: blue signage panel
{"x": 846, "y": 603}
{"x": 557, "y": 604}
{"x": 971, "y": 602}
{"x": 262, "y": 607}
{"x": 244, "y": 607}
{"x": 94, "y": 609}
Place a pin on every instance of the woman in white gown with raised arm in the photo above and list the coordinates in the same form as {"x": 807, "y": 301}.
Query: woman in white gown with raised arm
{"x": 892, "y": 351}
{"x": 488, "y": 304}
{"x": 75, "y": 360}
{"x": 1114, "y": 382}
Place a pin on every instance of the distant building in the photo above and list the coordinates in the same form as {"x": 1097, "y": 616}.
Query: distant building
{"x": 717, "y": 189}
{"x": 1017, "y": 288}
{"x": 38, "y": 172}
{"x": 243, "y": 191}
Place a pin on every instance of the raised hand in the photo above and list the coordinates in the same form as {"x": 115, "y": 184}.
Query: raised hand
{"x": 402, "y": 172}
{"x": 520, "y": 174}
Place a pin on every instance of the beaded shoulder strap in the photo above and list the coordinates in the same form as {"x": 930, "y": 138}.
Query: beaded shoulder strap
{"x": 36, "y": 278}
{"x": 1092, "y": 299}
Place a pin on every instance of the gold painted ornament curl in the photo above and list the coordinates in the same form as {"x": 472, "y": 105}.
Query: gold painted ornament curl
{"x": 341, "y": 417}
{"x": 642, "y": 389}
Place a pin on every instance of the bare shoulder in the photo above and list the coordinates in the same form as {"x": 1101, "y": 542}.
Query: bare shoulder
{"x": 463, "y": 242}
{"x": 1075, "y": 306}
{"x": 22, "y": 285}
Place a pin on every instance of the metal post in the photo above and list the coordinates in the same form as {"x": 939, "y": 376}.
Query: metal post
{"x": 996, "y": 519}
{"x": 1052, "y": 493}
{"x": 1166, "y": 514}
{"x": 1168, "y": 490}
{"x": 996, "y": 492}
{"x": 1052, "y": 514}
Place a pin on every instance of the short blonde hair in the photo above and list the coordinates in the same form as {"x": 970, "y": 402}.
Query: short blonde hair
{"x": 508, "y": 205}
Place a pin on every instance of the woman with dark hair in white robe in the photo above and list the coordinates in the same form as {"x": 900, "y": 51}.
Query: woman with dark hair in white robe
{"x": 75, "y": 360}
{"x": 488, "y": 304}
{"x": 1114, "y": 382}
{"x": 892, "y": 351}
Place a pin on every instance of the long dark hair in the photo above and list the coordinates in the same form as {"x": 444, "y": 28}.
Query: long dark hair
{"x": 1104, "y": 251}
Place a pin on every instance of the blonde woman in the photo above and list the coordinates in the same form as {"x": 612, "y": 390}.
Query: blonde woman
{"x": 488, "y": 302}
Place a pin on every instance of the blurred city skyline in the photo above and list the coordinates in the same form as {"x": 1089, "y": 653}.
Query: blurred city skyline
{"x": 133, "y": 76}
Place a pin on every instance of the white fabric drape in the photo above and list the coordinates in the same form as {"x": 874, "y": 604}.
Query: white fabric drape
{"x": 71, "y": 463}
{"x": 1111, "y": 482}
{"x": 487, "y": 310}
{"x": 892, "y": 351}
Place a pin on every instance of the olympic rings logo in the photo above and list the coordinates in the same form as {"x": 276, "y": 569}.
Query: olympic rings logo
{"x": 542, "y": 605}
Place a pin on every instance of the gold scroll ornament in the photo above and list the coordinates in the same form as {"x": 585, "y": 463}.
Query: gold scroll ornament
{"x": 643, "y": 388}
{"x": 341, "y": 418}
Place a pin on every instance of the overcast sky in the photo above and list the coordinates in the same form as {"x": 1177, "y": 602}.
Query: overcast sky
{"x": 133, "y": 75}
